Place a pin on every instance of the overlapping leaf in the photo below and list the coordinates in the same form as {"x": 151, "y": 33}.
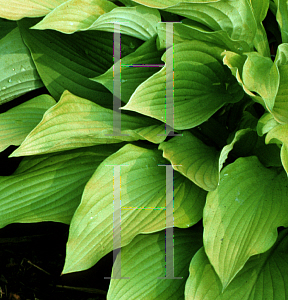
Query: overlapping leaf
{"x": 234, "y": 17}
{"x": 282, "y": 19}
{"x": 279, "y": 135}
{"x": 49, "y": 187}
{"x": 202, "y": 85}
{"x": 242, "y": 215}
{"x": 131, "y": 76}
{"x": 76, "y": 122}
{"x": 264, "y": 276}
{"x": 75, "y": 15}
{"x": 17, "y": 122}
{"x": 138, "y": 21}
{"x": 66, "y": 62}
{"x": 18, "y": 9}
{"x": 18, "y": 73}
{"x": 190, "y": 30}
{"x": 143, "y": 202}
{"x": 143, "y": 260}
{"x": 280, "y": 109}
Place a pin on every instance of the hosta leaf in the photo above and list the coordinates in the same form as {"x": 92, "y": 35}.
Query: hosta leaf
{"x": 280, "y": 109}
{"x": 18, "y": 9}
{"x": 76, "y": 122}
{"x": 255, "y": 73}
{"x": 17, "y": 122}
{"x": 202, "y": 85}
{"x": 282, "y": 19}
{"x": 143, "y": 197}
{"x": 261, "y": 75}
{"x": 18, "y": 73}
{"x": 138, "y": 21}
{"x": 264, "y": 276}
{"x": 131, "y": 77}
{"x": 49, "y": 187}
{"x": 193, "y": 159}
{"x": 235, "y": 17}
{"x": 190, "y": 30}
{"x": 278, "y": 135}
{"x": 266, "y": 123}
{"x": 66, "y": 62}
{"x": 75, "y": 15}
{"x": 242, "y": 215}
{"x": 260, "y": 9}
{"x": 143, "y": 260}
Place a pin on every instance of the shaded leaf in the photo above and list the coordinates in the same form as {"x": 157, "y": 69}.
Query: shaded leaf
{"x": 49, "y": 187}
{"x": 17, "y": 122}
{"x": 18, "y": 74}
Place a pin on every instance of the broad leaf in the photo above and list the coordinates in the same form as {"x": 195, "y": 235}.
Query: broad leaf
{"x": 75, "y": 122}
{"x": 264, "y": 276}
{"x": 132, "y": 77}
{"x": 17, "y": 122}
{"x": 66, "y": 62}
{"x": 193, "y": 159}
{"x": 18, "y": 9}
{"x": 143, "y": 260}
{"x": 138, "y": 21}
{"x": 143, "y": 204}
{"x": 18, "y": 73}
{"x": 279, "y": 135}
{"x": 261, "y": 75}
{"x": 242, "y": 215}
{"x": 234, "y": 17}
{"x": 202, "y": 85}
{"x": 49, "y": 187}
{"x": 282, "y": 18}
{"x": 280, "y": 109}
{"x": 191, "y": 30}
{"x": 75, "y": 15}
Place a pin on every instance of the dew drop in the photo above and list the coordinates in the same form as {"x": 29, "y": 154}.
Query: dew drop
{"x": 9, "y": 80}
{"x": 131, "y": 46}
{"x": 22, "y": 69}
{"x": 3, "y": 88}
{"x": 240, "y": 49}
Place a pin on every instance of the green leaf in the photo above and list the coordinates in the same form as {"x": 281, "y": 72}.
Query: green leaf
{"x": 75, "y": 122}
{"x": 132, "y": 77}
{"x": 234, "y": 17}
{"x": 193, "y": 159}
{"x": 260, "y": 9}
{"x": 75, "y": 15}
{"x": 138, "y": 21}
{"x": 280, "y": 109}
{"x": 261, "y": 75}
{"x": 279, "y": 135}
{"x": 266, "y": 123}
{"x": 18, "y": 9}
{"x": 143, "y": 198}
{"x": 143, "y": 260}
{"x": 49, "y": 187}
{"x": 282, "y": 18}
{"x": 242, "y": 215}
{"x": 17, "y": 122}
{"x": 18, "y": 73}
{"x": 190, "y": 30}
{"x": 264, "y": 276}
{"x": 202, "y": 85}
{"x": 66, "y": 62}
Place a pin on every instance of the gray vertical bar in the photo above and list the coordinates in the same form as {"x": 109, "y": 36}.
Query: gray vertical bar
{"x": 117, "y": 225}
{"x": 169, "y": 239}
{"x": 117, "y": 83}
{"x": 169, "y": 101}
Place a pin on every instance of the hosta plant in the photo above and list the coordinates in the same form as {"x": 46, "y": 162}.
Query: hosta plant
{"x": 225, "y": 140}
